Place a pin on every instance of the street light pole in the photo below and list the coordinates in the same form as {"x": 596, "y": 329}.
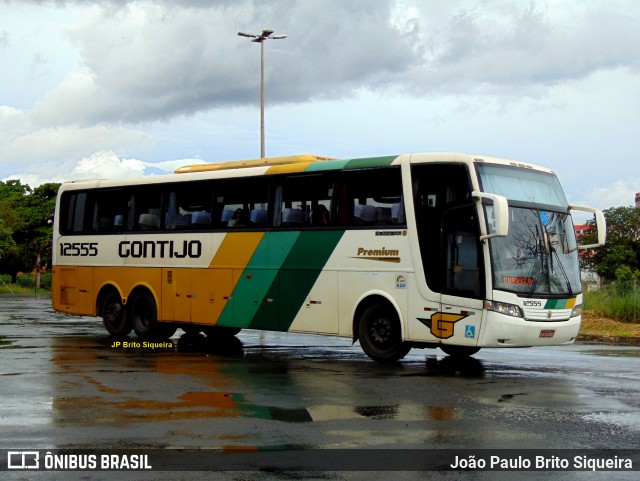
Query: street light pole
{"x": 260, "y": 38}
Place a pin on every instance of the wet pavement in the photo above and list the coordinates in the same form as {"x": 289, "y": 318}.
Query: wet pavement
{"x": 65, "y": 384}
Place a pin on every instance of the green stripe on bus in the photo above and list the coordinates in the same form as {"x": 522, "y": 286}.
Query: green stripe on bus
{"x": 352, "y": 163}
{"x": 551, "y": 304}
{"x": 556, "y": 303}
{"x": 297, "y": 275}
{"x": 326, "y": 165}
{"x": 370, "y": 162}
{"x": 252, "y": 288}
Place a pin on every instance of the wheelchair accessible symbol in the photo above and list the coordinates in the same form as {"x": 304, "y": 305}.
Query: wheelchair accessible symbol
{"x": 470, "y": 332}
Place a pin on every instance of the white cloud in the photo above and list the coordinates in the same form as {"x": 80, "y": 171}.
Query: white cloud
{"x": 169, "y": 166}
{"x": 620, "y": 193}
{"x": 60, "y": 144}
{"x": 152, "y": 60}
{"x": 106, "y": 164}
{"x": 123, "y": 87}
{"x": 99, "y": 165}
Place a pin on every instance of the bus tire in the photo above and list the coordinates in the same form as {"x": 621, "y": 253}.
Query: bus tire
{"x": 459, "y": 351}
{"x": 191, "y": 328}
{"x": 144, "y": 317}
{"x": 221, "y": 331}
{"x": 114, "y": 315}
{"x": 380, "y": 335}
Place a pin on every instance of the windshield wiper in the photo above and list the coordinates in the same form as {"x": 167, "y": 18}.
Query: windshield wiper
{"x": 551, "y": 250}
{"x": 541, "y": 250}
{"x": 560, "y": 267}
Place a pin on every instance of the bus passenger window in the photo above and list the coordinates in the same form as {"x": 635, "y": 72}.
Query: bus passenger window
{"x": 188, "y": 206}
{"x": 109, "y": 210}
{"x": 304, "y": 201}
{"x": 371, "y": 197}
{"x": 242, "y": 203}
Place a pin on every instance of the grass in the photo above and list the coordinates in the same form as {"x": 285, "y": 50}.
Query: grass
{"x": 595, "y": 325}
{"x": 18, "y": 289}
{"x": 619, "y": 301}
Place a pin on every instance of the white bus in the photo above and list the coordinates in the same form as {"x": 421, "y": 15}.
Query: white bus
{"x": 419, "y": 250}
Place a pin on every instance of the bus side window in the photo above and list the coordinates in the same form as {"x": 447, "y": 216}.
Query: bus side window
{"x": 304, "y": 200}
{"x": 110, "y": 210}
{"x": 146, "y": 209}
{"x": 188, "y": 206}
{"x": 76, "y": 213}
{"x": 373, "y": 197}
{"x": 242, "y": 203}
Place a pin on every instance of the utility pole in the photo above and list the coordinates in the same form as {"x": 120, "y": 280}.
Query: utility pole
{"x": 260, "y": 38}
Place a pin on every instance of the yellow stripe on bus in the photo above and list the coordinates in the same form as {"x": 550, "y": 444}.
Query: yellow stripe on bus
{"x": 288, "y": 168}
{"x": 236, "y": 250}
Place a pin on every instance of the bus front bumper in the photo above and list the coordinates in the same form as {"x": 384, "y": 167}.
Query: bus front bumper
{"x": 505, "y": 331}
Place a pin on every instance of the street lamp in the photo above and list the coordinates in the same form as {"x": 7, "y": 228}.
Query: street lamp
{"x": 260, "y": 38}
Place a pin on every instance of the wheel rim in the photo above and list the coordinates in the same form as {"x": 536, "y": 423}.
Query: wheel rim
{"x": 113, "y": 314}
{"x": 381, "y": 333}
{"x": 143, "y": 314}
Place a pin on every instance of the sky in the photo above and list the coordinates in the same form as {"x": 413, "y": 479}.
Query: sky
{"x": 112, "y": 89}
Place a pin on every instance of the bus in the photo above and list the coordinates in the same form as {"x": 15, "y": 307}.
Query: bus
{"x": 397, "y": 252}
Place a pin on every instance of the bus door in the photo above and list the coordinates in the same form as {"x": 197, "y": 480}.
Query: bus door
{"x": 448, "y": 234}
{"x": 463, "y": 278}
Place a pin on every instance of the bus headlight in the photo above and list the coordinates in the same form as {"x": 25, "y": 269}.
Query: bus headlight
{"x": 576, "y": 311}
{"x": 504, "y": 308}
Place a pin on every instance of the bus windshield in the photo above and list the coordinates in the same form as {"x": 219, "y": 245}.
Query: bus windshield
{"x": 520, "y": 185}
{"x": 539, "y": 257}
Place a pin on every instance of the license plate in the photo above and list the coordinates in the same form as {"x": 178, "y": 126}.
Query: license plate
{"x": 547, "y": 332}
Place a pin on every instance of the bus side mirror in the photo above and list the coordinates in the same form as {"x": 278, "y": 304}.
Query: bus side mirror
{"x": 601, "y": 225}
{"x": 500, "y": 215}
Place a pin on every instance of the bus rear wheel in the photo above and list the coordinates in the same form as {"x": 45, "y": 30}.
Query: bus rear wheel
{"x": 144, "y": 317}
{"x": 380, "y": 335}
{"x": 459, "y": 351}
{"x": 114, "y": 315}
{"x": 221, "y": 331}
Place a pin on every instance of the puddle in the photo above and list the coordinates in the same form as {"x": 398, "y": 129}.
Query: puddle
{"x": 624, "y": 420}
{"x": 468, "y": 367}
{"x": 189, "y": 405}
{"x": 405, "y": 412}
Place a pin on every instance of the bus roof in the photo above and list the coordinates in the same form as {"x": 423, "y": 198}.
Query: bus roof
{"x": 294, "y": 164}
{"x": 242, "y": 164}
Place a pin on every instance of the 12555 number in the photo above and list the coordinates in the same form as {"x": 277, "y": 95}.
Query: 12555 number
{"x": 82, "y": 249}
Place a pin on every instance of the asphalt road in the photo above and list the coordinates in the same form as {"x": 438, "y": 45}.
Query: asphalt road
{"x": 65, "y": 384}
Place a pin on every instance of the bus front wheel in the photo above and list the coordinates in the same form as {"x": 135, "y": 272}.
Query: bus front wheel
{"x": 114, "y": 316}
{"x": 144, "y": 316}
{"x": 380, "y": 335}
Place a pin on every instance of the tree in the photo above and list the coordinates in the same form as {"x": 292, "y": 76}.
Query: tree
{"x": 622, "y": 249}
{"x": 27, "y": 214}
{"x": 39, "y": 207}
{"x": 6, "y": 240}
